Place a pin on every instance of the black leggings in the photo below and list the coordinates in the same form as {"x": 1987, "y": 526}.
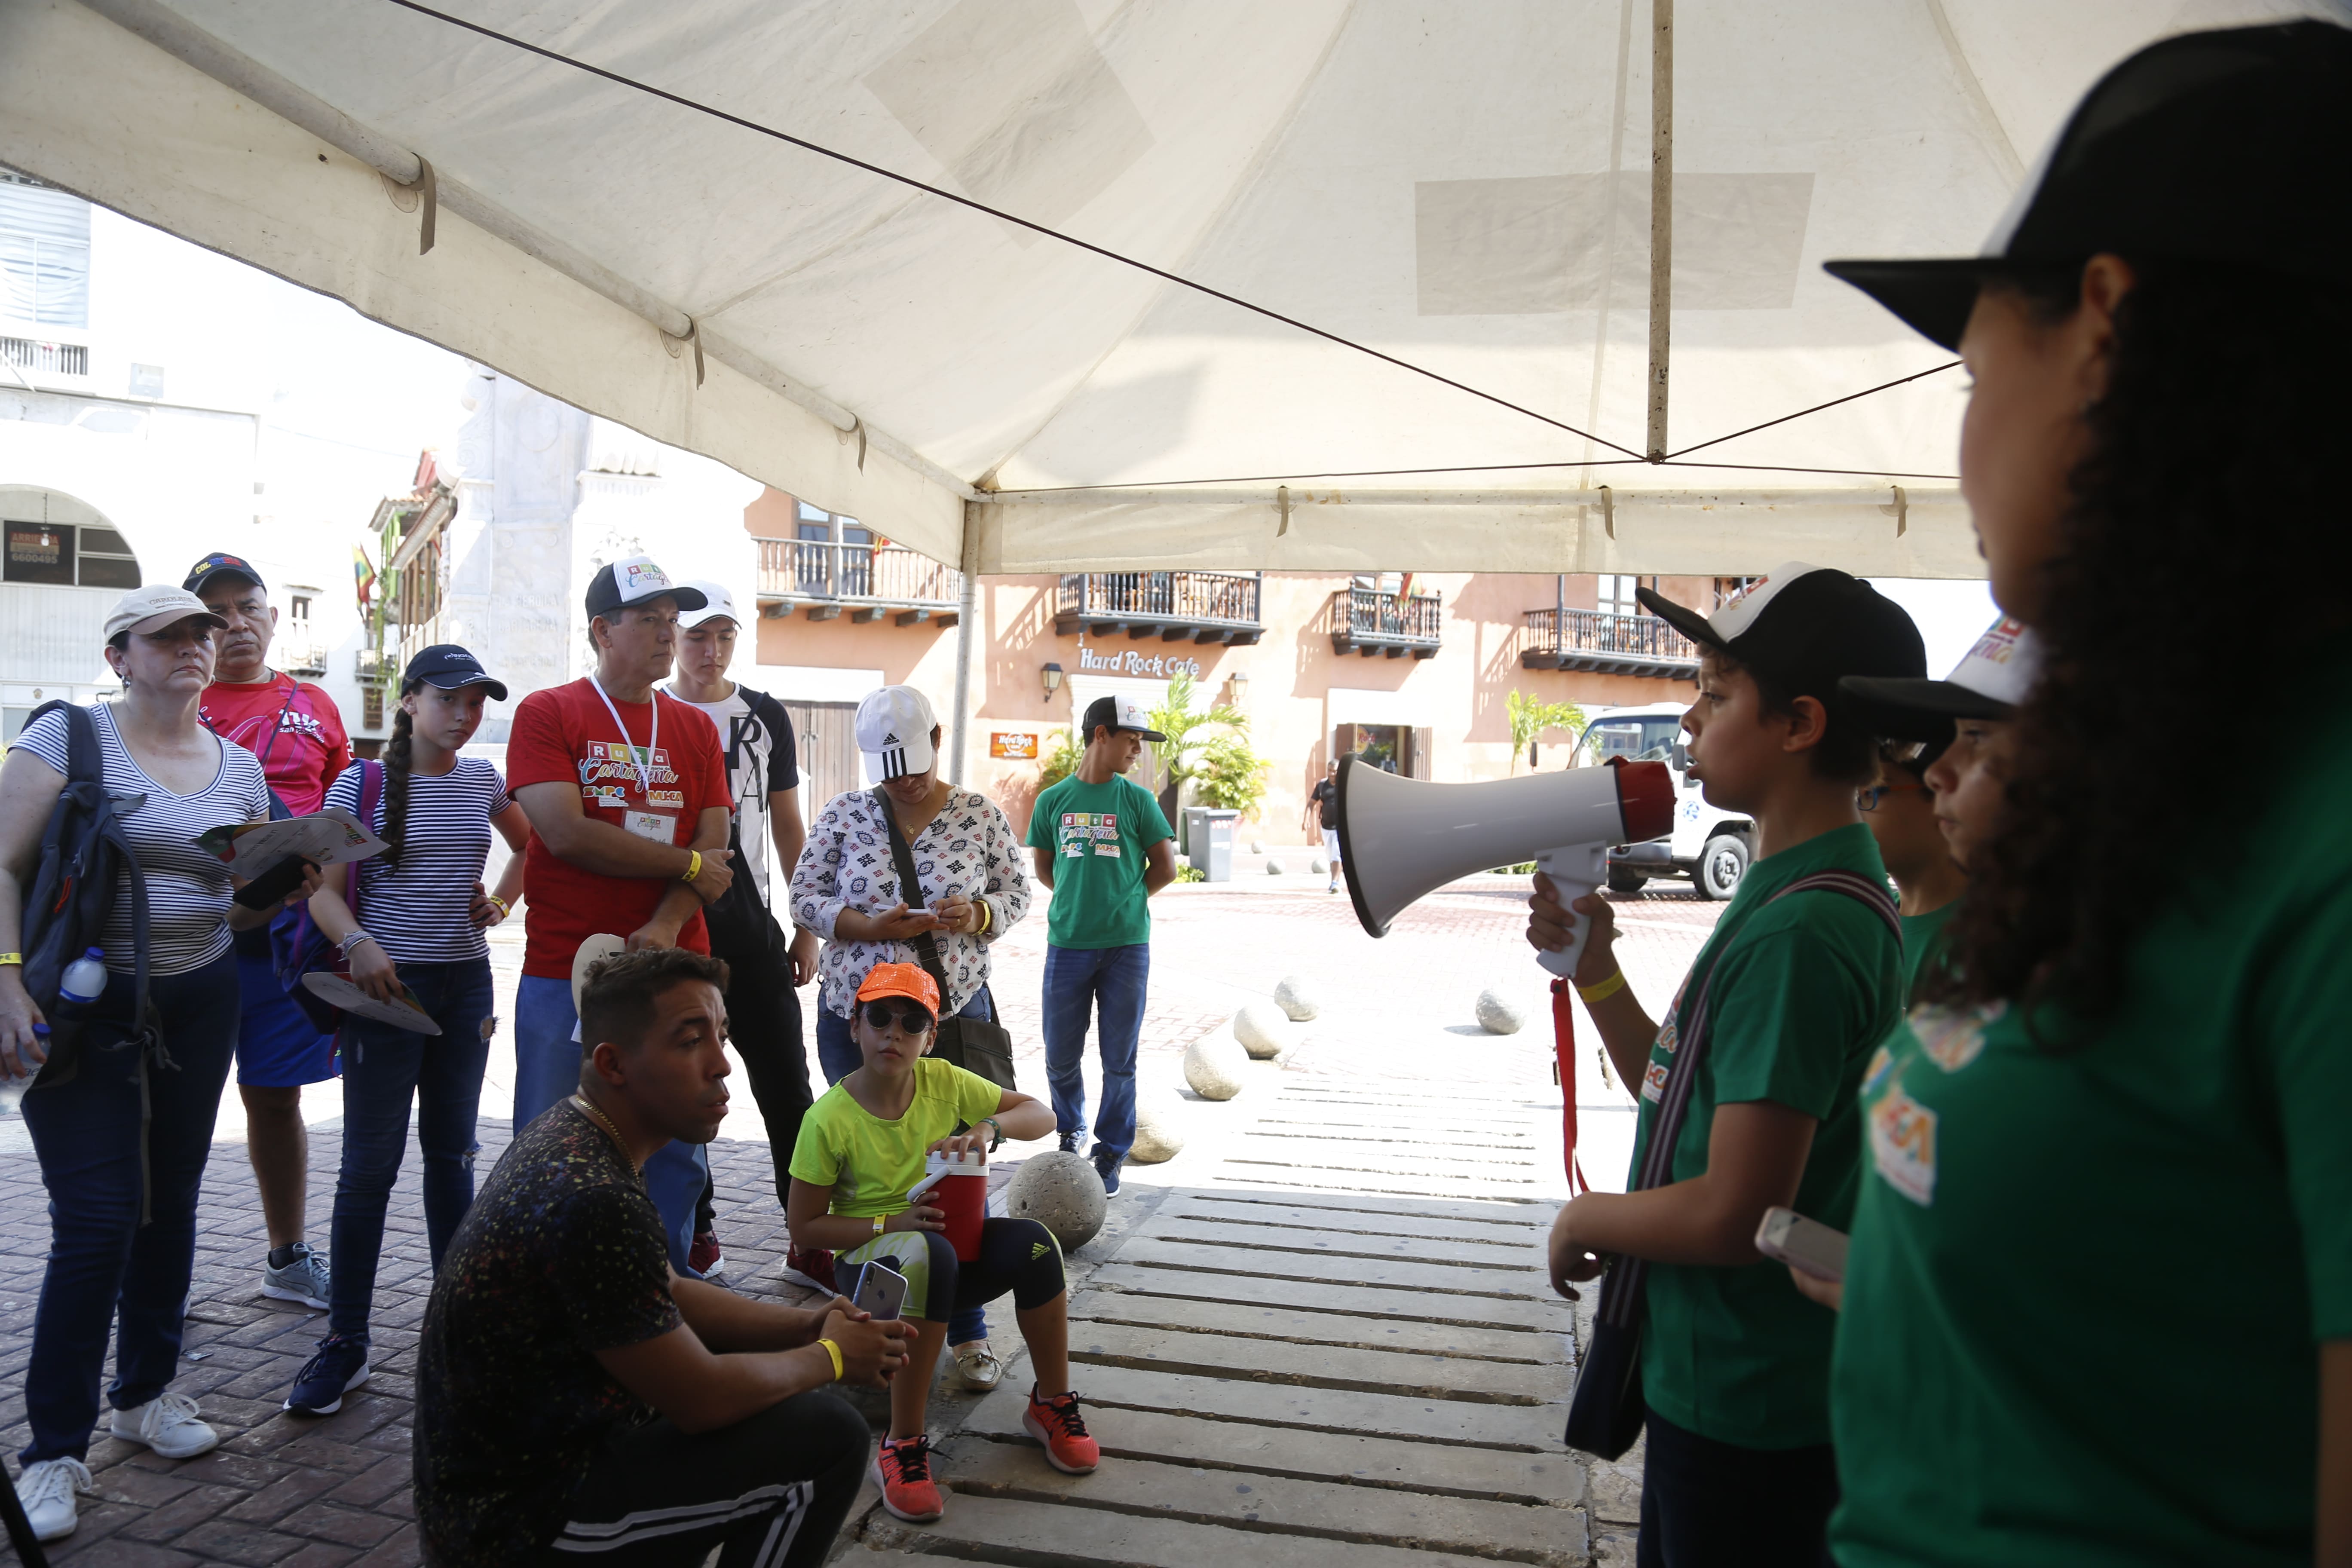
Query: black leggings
{"x": 1709, "y": 1504}
{"x": 774, "y": 1488}
{"x": 1016, "y": 1255}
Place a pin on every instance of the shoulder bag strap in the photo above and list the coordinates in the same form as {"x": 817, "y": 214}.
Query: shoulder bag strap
{"x": 371, "y": 797}
{"x": 910, "y": 889}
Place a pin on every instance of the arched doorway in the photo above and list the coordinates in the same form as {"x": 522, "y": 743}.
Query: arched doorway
{"x": 62, "y": 565}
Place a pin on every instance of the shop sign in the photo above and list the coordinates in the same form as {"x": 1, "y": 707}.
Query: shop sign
{"x": 1019, "y": 745}
{"x": 1123, "y": 661}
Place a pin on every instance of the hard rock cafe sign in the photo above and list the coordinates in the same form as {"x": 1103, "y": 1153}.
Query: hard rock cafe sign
{"x": 1130, "y": 661}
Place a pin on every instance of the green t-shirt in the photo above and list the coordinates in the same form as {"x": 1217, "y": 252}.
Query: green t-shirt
{"x": 2030, "y": 1367}
{"x": 1801, "y": 992}
{"x": 1098, "y": 835}
{"x": 868, "y": 1163}
{"x": 1920, "y": 935}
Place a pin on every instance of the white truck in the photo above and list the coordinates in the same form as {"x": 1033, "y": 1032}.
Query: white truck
{"x": 1711, "y": 847}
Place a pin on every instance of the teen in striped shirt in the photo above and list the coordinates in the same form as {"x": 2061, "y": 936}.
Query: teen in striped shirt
{"x": 425, "y": 912}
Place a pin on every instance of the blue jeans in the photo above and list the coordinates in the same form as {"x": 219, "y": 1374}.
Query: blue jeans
{"x": 104, "y": 1267}
{"x": 384, "y": 1068}
{"x": 1078, "y": 981}
{"x": 547, "y": 1068}
{"x": 838, "y": 1054}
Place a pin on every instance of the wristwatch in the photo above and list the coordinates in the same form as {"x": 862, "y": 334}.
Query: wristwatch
{"x": 998, "y": 1143}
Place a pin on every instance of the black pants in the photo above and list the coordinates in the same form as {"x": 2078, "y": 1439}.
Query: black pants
{"x": 1707, "y": 1504}
{"x": 774, "y": 1489}
{"x": 764, "y": 1024}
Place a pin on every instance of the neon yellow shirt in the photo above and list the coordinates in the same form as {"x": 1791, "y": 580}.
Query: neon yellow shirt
{"x": 868, "y": 1163}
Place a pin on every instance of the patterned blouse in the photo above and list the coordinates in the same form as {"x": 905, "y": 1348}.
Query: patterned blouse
{"x": 968, "y": 848}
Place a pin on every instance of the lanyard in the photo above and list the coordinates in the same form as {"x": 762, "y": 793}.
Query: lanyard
{"x": 645, "y": 765}
{"x": 293, "y": 689}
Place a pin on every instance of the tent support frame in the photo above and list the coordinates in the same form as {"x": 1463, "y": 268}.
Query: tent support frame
{"x": 1662, "y": 216}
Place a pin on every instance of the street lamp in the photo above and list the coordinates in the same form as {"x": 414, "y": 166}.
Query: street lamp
{"x": 1053, "y": 678}
{"x": 1239, "y": 681}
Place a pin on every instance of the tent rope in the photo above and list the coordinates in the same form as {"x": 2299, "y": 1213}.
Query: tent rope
{"x": 1469, "y": 468}
{"x": 1816, "y": 408}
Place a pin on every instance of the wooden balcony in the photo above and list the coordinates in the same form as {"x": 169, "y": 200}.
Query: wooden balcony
{"x": 1203, "y": 607}
{"x": 1365, "y": 621}
{"x": 867, "y": 582}
{"x": 1611, "y": 644}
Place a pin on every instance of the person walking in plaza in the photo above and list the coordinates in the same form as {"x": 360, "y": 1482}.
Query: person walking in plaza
{"x": 626, "y": 789}
{"x": 845, "y": 888}
{"x": 425, "y": 912}
{"x": 2135, "y": 1055}
{"x": 1103, "y": 845}
{"x": 124, "y": 1116}
{"x": 577, "y": 1399}
{"x": 1323, "y": 806}
{"x": 294, "y": 728}
{"x": 863, "y": 1150}
{"x": 763, "y": 1010}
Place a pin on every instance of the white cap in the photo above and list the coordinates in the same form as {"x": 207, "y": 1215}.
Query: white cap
{"x": 151, "y": 608}
{"x": 717, "y": 601}
{"x": 2003, "y": 664}
{"x": 894, "y": 732}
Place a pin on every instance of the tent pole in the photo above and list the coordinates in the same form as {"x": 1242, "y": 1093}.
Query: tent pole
{"x": 1662, "y": 214}
{"x": 967, "y": 600}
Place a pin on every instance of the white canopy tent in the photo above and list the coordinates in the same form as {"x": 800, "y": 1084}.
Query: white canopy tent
{"x": 1459, "y": 190}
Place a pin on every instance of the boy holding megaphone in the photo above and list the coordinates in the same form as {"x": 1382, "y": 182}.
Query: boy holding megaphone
{"x": 1747, "y": 1085}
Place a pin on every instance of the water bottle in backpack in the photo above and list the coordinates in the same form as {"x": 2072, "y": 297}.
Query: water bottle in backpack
{"x": 84, "y": 980}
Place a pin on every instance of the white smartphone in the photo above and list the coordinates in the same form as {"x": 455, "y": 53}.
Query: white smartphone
{"x": 1805, "y": 1245}
{"x": 881, "y": 1291}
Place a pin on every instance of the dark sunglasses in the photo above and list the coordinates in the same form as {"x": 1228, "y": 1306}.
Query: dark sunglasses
{"x": 915, "y": 1018}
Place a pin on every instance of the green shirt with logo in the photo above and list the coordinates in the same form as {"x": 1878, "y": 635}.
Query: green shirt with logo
{"x": 1099, "y": 836}
{"x": 2091, "y": 1272}
{"x": 1801, "y": 992}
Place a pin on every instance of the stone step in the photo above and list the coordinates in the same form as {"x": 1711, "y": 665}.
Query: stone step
{"x": 1544, "y": 1314}
{"x": 1449, "y": 1251}
{"x": 1415, "y": 1135}
{"x": 1352, "y": 1222}
{"x": 1551, "y": 1536}
{"x": 1527, "y": 1283}
{"x": 1047, "y": 1534}
{"x": 1525, "y": 1428}
{"x": 1515, "y": 1347}
{"x": 1346, "y": 1153}
{"x": 1317, "y": 1366}
{"x": 1368, "y": 1186}
{"x": 1497, "y": 1212}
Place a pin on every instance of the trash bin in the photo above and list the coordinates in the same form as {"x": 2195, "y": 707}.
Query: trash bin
{"x": 1209, "y": 840}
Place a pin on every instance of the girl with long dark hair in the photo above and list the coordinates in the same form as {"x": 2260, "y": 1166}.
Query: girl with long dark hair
{"x": 2098, "y": 1307}
{"x": 425, "y": 912}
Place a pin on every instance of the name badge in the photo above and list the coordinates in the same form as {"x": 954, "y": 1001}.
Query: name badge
{"x": 661, "y": 826}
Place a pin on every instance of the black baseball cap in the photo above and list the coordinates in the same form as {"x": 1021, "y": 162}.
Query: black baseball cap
{"x": 1808, "y": 627}
{"x": 217, "y": 565}
{"x": 634, "y": 581}
{"x": 449, "y": 666}
{"x": 2217, "y": 146}
{"x": 1119, "y": 713}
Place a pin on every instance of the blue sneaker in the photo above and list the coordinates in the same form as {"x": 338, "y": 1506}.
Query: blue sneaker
{"x": 1106, "y": 1167}
{"x": 339, "y": 1366}
{"x": 1070, "y": 1142}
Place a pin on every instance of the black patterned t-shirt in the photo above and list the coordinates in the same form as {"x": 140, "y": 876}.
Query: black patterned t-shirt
{"x": 561, "y": 1255}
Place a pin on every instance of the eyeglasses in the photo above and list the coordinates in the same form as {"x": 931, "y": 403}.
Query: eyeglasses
{"x": 1867, "y": 799}
{"x": 915, "y": 1018}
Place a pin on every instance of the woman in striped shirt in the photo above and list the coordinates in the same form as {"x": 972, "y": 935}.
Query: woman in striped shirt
{"x": 172, "y": 781}
{"x": 418, "y": 938}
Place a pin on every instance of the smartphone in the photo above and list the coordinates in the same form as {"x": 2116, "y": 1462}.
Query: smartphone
{"x": 272, "y": 886}
{"x": 881, "y": 1291}
{"x": 1805, "y": 1245}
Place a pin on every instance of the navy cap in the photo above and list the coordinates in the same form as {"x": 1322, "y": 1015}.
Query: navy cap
{"x": 449, "y": 666}
{"x": 216, "y": 567}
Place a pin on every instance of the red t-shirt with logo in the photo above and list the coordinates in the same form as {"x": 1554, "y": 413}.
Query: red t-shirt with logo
{"x": 564, "y": 735}
{"x": 310, "y": 748}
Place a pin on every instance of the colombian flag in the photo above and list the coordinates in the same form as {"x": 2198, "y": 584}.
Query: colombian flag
{"x": 362, "y": 575}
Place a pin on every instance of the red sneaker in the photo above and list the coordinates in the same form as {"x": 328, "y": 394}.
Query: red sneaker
{"x": 811, "y": 1265}
{"x": 1058, "y": 1424}
{"x": 902, "y": 1468}
{"x": 704, "y": 1256}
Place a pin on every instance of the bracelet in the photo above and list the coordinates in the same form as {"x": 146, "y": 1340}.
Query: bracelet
{"x": 15, "y": 958}
{"x": 834, "y": 1352}
{"x": 1604, "y": 990}
{"x": 693, "y": 866}
{"x": 504, "y": 909}
{"x": 880, "y": 1223}
{"x": 987, "y": 917}
{"x": 999, "y": 1141}
{"x": 351, "y": 941}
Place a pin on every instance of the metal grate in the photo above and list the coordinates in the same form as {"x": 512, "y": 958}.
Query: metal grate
{"x": 48, "y": 359}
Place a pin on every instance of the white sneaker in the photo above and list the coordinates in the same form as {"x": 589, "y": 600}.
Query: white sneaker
{"x": 167, "y": 1424}
{"x": 305, "y": 1277}
{"x": 46, "y": 1489}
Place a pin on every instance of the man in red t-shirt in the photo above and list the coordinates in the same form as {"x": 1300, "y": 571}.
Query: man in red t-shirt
{"x": 626, "y": 792}
{"x": 293, "y": 727}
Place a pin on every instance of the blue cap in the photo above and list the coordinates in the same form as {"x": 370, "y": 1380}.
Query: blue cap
{"x": 219, "y": 564}
{"x": 449, "y": 666}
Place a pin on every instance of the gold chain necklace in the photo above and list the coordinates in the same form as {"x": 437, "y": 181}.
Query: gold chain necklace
{"x": 601, "y": 1120}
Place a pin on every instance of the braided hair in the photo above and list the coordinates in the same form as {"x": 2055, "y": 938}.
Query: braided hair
{"x": 396, "y": 765}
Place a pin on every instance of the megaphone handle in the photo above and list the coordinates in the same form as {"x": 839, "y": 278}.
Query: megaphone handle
{"x": 1576, "y": 872}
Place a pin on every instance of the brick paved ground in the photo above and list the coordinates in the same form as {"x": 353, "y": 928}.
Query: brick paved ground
{"x": 332, "y": 1492}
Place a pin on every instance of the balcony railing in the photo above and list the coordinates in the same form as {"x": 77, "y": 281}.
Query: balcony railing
{"x": 871, "y": 580}
{"x": 298, "y": 656}
{"x": 1365, "y": 622}
{"x": 1207, "y": 607}
{"x": 45, "y": 359}
{"x": 1614, "y": 644}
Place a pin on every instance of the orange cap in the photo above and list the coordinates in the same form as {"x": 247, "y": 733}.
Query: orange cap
{"x": 906, "y": 980}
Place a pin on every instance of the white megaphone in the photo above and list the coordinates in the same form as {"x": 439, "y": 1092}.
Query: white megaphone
{"x": 1400, "y": 838}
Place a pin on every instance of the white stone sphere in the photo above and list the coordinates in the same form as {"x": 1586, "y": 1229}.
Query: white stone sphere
{"x": 1319, "y": 866}
{"x": 1257, "y": 845}
{"x": 1274, "y": 868}
{"x": 1296, "y": 998}
{"x": 1263, "y": 1029}
{"x": 1061, "y": 1191}
{"x": 1499, "y": 1014}
{"x": 1214, "y": 1065}
{"x": 1159, "y": 1130}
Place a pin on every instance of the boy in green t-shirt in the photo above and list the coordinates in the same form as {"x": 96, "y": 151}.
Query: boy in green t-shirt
{"x": 1735, "y": 1362}
{"x": 861, "y": 1150}
{"x": 1102, "y": 843}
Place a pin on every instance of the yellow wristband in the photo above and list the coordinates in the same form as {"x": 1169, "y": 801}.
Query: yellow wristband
{"x": 504, "y": 907}
{"x": 15, "y": 958}
{"x": 834, "y": 1352}
{"x": 878, "y": 1223}
{"x": 693, "y": 866}
{"x": 1605, "y": 990}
